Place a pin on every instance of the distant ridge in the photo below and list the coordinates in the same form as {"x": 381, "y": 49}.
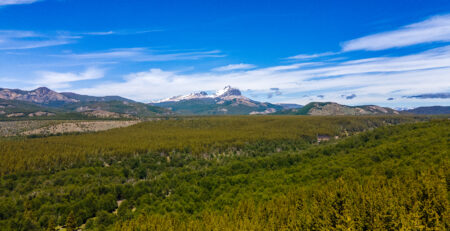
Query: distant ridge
{"x": 330, "y": 108}
{"x": 16, "y": 103}
{"x": 227, "y": 101}
{"x": 290, "y": 105}
{"x": 433, "y": 110}
{"x": 88, "y": 98}
{"x": 41, "y": 95}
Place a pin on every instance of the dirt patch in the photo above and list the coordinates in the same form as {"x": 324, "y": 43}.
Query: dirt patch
{"x": 85, "y": 126}
{"x": 13, "y": 128}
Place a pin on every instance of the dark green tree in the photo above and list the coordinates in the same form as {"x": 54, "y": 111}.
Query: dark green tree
{"x": 51, "y": 226}
{"x": 71, "y": 222}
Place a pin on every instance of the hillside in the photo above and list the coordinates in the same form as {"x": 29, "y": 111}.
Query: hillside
{"x": 258, "y": 173}
{"x": 88, "y": 98}
{"x": 329, "y": 108}
{"x": 14, "y": 109}
{"x": 434, "y": 110}
{"x": 116, "y": 109}
{"x": 43, "y": 102}
{"x": 228, "y": 101}
{"x": 40, "y": 95}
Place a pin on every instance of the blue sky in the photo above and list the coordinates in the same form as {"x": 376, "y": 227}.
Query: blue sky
{"x": 390, "y": 53}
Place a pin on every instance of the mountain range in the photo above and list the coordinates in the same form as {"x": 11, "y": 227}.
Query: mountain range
{"x": 229, "y": 100}
{"x": 44, "y": 102}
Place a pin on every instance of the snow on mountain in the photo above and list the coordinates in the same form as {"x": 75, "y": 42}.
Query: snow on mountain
{"x": 227, "y": 93}
{"x": 198, "y": 95}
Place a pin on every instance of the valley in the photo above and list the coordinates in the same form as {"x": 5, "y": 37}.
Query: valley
{"x": 224, "y": 115}
{"x": 218, "y": 161}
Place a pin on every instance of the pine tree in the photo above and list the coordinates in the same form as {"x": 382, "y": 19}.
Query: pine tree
{"x": 70, "y": 222}
{"x": 51, "y": 226}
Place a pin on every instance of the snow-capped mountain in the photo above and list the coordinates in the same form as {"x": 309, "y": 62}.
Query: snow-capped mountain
{"x": 227, "y": 92}
{"x": 228, "y": 100}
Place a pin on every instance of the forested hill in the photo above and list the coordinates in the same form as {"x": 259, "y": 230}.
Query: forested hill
{"x": 330, "y": 108}
{"x": 194, "y": 136}
{"x": 392, "y": 178}
{"x": 233, "y": 173}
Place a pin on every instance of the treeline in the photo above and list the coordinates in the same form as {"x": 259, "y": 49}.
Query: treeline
{"x": 196, "y": 136}
{"x": 393, "y": 177}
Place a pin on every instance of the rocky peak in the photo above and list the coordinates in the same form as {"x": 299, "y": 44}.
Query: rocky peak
{"x": 228, "y": 91}
{"x": 39, "y": 95}
{"x": 43, "y": 90}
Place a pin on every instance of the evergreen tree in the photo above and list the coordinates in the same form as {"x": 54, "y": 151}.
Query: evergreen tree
{"x": 51, "y": 226}
{"x": 71, "y": 224}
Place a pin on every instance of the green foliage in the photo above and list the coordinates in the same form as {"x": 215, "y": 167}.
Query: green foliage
{"x": 71, "y": 224}
{"x": 51, "y": 226}
{"x": 119, "y": 106}
{"x": 236, "y": 173}
{"x": 335, "y": 109}
{"x": 197, "y": 136}
{"x": 299, "y": 111}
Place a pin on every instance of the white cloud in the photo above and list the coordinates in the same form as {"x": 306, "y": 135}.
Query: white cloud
{"x": 372, "y": 80}
{"x": 19, "y": 40}
{"x": 435, "y": 29}
{"x": 16, "y": 2}
{"x": 99, "y": 33}
{"x": 310, "y": 56}
{"x": 144, "y": 55}
{"x": 232, "y": 67}
{"x": 58, "y": 80}
{"x": 122, "y": 32}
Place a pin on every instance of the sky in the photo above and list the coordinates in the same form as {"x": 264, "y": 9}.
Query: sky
{"x": 388, "y": 53}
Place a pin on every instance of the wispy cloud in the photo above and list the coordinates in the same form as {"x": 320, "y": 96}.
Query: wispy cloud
{"x": 435, "y": 29}
{"x": 232, "y": 67}
{"x": 99, "y": 33}
{"x": 310, "y": 56}
{"x": 369, "y": 79}
{"x": 19, "y": 40}
{"x": 59, "y": 80}
{"x": 145, "y": 55}
{"x": 16, "y": 2}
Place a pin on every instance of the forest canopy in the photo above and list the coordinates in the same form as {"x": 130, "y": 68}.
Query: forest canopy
{"x": 232, "y": 173}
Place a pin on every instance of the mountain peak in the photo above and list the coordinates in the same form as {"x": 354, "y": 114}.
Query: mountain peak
{"x": 43, "y": 90}
{"x": 40, "y": 95}
{"x": 228, "y": 91}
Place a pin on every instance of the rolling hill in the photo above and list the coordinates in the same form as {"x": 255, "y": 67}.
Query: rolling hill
{"x": 43, "y": 102}
{"x": 330, "y": 108}
{"x": 434, "y": 110}
{"x": 116, "y": 109}
{"x": 232, "y": 173}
